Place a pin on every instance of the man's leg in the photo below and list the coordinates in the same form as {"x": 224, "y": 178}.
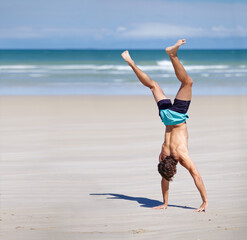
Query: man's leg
{"x": 144, "y": 78}
{"x": 185, "y": 91}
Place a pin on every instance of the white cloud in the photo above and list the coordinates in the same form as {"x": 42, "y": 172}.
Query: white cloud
{"x": 150, "y": 30}
{"x": 121, "y": 29}
{"x": 20, "y": 32}
{"x": 160, "y": 30}
{"x": 25, "y": 32}
{"x": 221, "y": 31}
{"x": 165, "y": 30}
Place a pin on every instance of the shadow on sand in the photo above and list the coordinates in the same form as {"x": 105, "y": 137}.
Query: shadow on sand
{"x": 144, "y": 202}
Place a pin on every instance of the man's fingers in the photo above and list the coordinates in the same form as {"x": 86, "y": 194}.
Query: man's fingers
{"x": 200, "y": 210}
{"x": 160, "y": 207}
{"x": 155, "y": 207}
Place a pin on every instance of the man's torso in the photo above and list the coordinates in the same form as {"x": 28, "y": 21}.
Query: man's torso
{"x": 176, "y": 140}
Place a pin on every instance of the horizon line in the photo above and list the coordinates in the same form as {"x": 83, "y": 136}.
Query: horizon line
{"x": 115, "y": 49}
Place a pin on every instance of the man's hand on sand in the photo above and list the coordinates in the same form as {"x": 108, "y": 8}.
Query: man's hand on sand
{"x": 163, "y": 206}
{"x": 202, "y": 208}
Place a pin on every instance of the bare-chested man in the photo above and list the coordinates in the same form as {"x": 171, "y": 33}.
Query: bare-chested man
{"x": 175, "y": 147}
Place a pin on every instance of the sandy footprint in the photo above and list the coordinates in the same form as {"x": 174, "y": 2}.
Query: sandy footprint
{"x": 138, "y": 231}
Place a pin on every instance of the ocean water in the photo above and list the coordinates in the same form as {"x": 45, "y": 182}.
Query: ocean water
{"x": 104, "y": 72}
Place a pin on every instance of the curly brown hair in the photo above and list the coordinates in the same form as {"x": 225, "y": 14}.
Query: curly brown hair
{"x": 168, "y": 168}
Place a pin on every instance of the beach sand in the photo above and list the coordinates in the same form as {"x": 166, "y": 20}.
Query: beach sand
{"x": 85, "y": 167}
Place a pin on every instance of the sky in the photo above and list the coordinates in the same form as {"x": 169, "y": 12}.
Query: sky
{"x": 122, "y": 24}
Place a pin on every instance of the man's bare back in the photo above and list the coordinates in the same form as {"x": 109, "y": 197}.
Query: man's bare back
{"x": 176, "y": 140}
{"x": 175, "y": 146}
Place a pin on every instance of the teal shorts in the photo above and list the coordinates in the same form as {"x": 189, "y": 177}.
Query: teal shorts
{"x": 173, "y": 114}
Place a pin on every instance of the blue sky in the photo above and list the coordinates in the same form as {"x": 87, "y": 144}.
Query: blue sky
{"x": 114, "y": 24}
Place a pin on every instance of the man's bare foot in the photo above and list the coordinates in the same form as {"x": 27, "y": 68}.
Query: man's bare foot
{"x": 163, "y": 206}
{"x": 172, "y": 51}
{"x": 125, "y": 55}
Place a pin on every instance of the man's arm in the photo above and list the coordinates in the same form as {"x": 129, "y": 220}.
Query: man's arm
{"x": 165, "y": 191}
{"x": 164, "y": 182}
{"x": 187, "y": 162}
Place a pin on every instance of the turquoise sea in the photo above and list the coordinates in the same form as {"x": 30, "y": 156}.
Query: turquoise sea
{"x": 104, "y": 72}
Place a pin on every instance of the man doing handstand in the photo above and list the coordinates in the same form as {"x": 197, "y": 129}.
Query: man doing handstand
{"x": 175, "y": 146}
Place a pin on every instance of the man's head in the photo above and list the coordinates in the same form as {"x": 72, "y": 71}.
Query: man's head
{"x": 168, "y": 168}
